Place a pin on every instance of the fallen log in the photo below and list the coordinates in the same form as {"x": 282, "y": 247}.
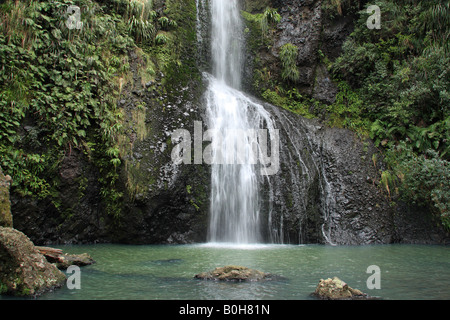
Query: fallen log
{"x": 64, "y": 260}
{"x": 51, "y": 253}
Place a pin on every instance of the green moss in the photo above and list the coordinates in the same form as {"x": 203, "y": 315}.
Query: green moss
{"x": 256, "y": 5}
{"x": 5, "y": 207}
{"x": 290, "y": 100}
{"x": 255, "y": 39}
{"x": 179, "y": 52}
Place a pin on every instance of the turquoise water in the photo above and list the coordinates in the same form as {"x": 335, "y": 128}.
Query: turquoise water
{"x": 166, "y": 272}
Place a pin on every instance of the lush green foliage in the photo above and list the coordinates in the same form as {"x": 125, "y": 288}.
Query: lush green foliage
{"x": 348, "y": 111}
{"x": 59, "y": 86}
{"x": 269, "y": 17}
{"x": 401, "y": 74}
{"x": 290, "y": 100}
{"x": 423, "y": 179}
{"x": 56, "y": 80}
{"x": 393, "y": 86}
{"x": 288, "y": 57}
{"x": 263, "y": 22}
{"x": 334, "y": 8}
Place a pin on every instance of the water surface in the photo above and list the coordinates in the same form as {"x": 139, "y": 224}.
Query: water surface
{"x": 166, "y": 272}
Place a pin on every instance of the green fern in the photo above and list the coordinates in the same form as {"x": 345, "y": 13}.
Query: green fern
{"x": 288, "y": 57}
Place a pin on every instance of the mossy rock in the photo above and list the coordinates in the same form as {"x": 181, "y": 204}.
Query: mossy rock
{"x": 234, "y": 273}
{"x": 23, "y": 270}
{"x": 336, "y": 289}
{"x": 5, "y": 204}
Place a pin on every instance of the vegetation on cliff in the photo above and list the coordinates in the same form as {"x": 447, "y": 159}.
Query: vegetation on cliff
{"x": 64, "y": 65}
{"x": 63, "y": 71}
{"x": 401, "y": 74}
{"x": 392, "y": 86}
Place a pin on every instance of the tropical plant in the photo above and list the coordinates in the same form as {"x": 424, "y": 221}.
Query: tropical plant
{"x": 140, "y": 20}
{"x": 270, "y": 16}
{"x": 288, "y": 57}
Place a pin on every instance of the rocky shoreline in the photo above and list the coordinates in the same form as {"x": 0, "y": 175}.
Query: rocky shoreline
{"x": 26, "y": 271}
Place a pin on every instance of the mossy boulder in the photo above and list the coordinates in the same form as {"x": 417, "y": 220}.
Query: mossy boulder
{"x": 5, "y": 204}
{"x": 336, "y": 289}
{"x": 234, "y": 273}
{"x": 23, "y": 270}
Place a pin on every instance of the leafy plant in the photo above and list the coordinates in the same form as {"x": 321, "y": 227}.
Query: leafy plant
{"x": 167, "y": 23}
{"x": 270, "y": 16}
{"x": 424, "y": 179}
{"x": 140, "y": 18}
{"x": 57, "y": 90}
{"x": 288, "y": 57}
{"x": 161, "y": 39}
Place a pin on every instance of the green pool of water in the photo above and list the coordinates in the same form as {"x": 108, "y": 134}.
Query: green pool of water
{"x": 166, "y": 272}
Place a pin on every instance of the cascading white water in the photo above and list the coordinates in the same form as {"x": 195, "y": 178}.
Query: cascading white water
{"x": 235, "y": 118}
{"x": 226, "y": 41}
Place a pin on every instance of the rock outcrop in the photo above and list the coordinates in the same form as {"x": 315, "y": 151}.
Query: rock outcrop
{"x": 234, "y": 273}
{"x": 23, "y": 270}
{"x": 336, "y": 289}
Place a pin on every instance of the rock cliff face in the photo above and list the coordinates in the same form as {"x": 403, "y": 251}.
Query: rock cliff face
{"x": 326, "y": 190}
{"x": 160, "y": 203}
{"x": 304, "y": 25}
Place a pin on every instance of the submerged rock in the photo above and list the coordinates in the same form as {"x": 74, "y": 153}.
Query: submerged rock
{"x": 234, "y": 273}
{"x": 23, "y": 269}
{"x": 336, "y": 289}
{"x": 79, "y": 260}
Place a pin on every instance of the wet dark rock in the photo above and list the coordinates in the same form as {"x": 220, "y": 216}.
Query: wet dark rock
{"x": 321, "y": 189}
{"x": 167, "y": 261}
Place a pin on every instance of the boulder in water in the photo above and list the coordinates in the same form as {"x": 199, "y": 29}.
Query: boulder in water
{"x": 336, "y": 289}
{"x": 234, "y": 273}
{"x": 23, "y": 269}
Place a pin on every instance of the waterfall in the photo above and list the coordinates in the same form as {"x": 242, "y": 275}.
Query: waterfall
{"x": 241, "y": 131}
{"x": 226, "y": 41}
